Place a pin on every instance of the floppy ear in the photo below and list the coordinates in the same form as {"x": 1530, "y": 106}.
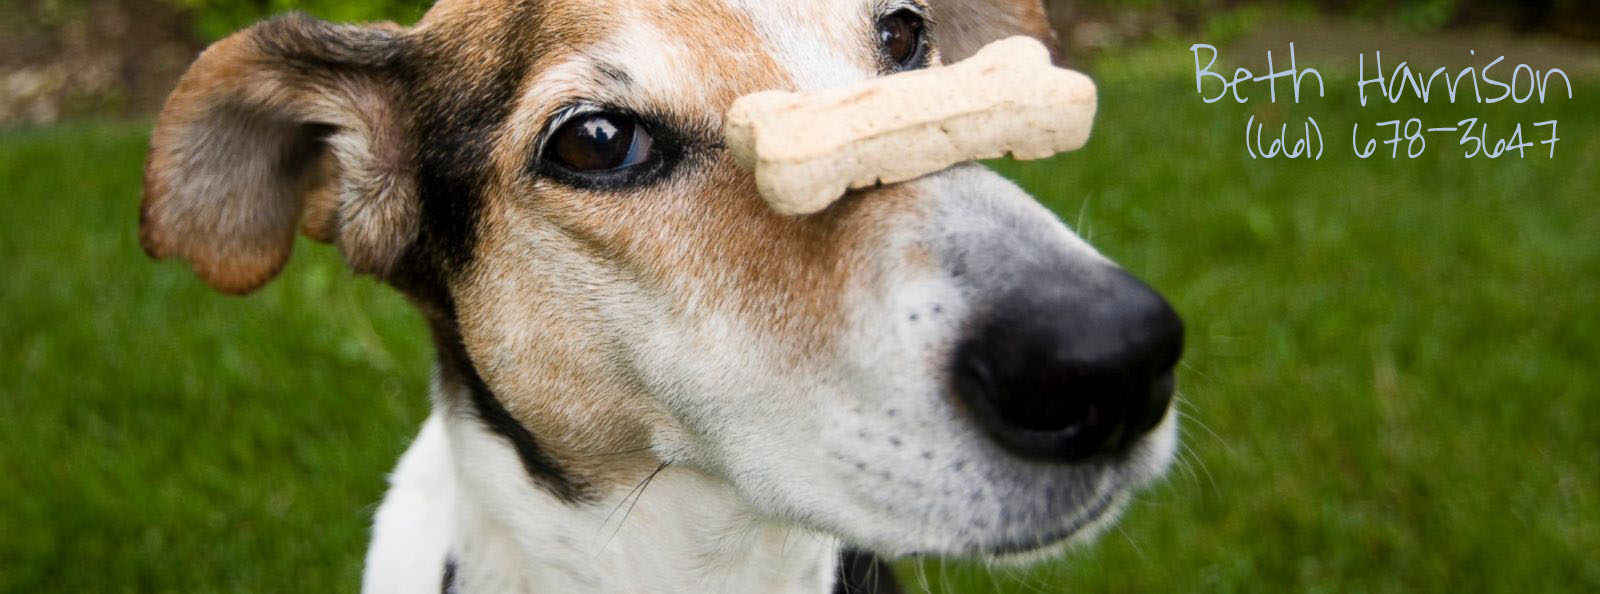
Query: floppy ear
{"x": 963, "y": 26}
{"x": 291, "y": 120}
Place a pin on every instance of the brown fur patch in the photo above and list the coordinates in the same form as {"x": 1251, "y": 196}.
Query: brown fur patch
{"x": 240, "y": 150}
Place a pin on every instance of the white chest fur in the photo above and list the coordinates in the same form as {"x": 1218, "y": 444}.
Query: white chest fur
{"x": 460, "y": 494}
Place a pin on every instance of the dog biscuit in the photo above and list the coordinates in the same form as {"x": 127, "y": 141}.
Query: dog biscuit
{"x": 807, "y": 149}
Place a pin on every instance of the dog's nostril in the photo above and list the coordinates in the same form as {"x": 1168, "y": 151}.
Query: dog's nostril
{"x": 1050, "y": 414}
{"x": 1065, "y": 374}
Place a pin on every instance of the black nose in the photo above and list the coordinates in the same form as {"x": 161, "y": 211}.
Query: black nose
{"x": 1064, "y": 368}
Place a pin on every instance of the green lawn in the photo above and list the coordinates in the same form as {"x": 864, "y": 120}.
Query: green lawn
{"x": 1390, "y": 383}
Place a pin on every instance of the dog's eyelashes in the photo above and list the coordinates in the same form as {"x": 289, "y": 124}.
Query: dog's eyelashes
{"x": 600, "y": 142}
{"x": 902, "y": 37}
{"x": 599, "y": 148}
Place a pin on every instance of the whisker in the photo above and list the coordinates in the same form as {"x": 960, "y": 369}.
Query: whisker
{"x": 1184, "y": 465}
{"x": 1180, "y": 403}
{"x": 922, "y": 575}
{"x": 638, "y": 493}
{"x": 1194, "y": 455}
{"x": 1021, "y": 576}
{"x": 1194, "y": 370}
{"x": 988, "y": 571}
{"x": 1132, "y": 543}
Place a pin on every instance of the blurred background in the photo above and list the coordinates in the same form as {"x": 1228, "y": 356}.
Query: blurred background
{"x": 1390, "y": 384}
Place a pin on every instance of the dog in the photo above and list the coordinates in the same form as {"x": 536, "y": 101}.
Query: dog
{"x": 646, "y": 380}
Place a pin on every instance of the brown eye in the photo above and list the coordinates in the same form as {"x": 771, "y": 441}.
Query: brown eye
{"x": 599, "y": 142}
{"x": 900, "y": 36}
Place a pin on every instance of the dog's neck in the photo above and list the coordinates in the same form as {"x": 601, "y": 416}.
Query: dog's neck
{"x": 683, "y": 532}
{"x": 463, "y": 514}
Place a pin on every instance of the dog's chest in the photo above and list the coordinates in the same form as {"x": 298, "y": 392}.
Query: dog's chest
{"x": 679, "y": 533}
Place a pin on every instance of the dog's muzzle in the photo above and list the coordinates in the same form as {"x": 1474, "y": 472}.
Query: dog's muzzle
{"x": 1066, "y": 369}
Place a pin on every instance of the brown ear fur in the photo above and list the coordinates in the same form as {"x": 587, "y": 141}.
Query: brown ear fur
{"x": 963, "y": 26}
{"x": 291, "y": 117}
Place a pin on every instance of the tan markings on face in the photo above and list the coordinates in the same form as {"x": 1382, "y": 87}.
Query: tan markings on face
{"x": 563, "y": 277}
{"x": 536, "y": 324}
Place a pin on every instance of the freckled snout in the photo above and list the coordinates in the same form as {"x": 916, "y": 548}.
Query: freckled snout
{"x": 1064, "y": 368}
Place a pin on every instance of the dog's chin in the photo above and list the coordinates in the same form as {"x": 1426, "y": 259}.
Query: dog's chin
{"x": 1048, "y": 510}
{"x": 1148, "y": 464}
{"x": 1050, "y": 544}
{"x": 1029, "y": 547}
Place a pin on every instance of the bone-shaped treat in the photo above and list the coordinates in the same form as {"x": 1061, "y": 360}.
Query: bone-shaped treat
{"x": 808, "y": 148}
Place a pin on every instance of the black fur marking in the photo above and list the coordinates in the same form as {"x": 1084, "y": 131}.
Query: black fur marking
{"x": 448, "y": 584}
{"x": 457, "y": 121}
{"x": 420, "y": 279}
{"x": 861, "y": 572}
{"x": 455, "y": 368}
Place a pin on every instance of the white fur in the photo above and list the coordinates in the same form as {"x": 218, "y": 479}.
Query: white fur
{"x": 683, "y": 532}
{"x": 811, "y": 39}
{"x": 416, "y": 523}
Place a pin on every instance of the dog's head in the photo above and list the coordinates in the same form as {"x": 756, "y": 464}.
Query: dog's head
{"x": 935, "y": 366}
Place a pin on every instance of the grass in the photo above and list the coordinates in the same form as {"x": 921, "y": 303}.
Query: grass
{"x": 1390, "y": 383}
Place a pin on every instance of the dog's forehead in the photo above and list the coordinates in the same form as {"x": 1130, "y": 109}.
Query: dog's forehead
{"x": 683, "y": 51}
{"x": 687, "y": 60}
{"x": 711, "y": 51}
{"x": 817, "y": 43}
